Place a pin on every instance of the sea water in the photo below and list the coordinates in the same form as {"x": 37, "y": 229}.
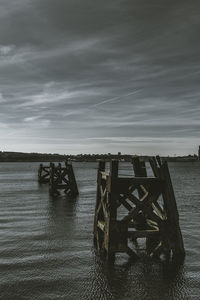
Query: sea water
{"x": 46, "y": 244}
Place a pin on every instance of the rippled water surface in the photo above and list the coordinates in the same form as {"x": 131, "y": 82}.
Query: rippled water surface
{"x": 46, "y": 245}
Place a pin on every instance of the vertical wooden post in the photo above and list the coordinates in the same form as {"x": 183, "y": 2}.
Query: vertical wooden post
{"x": 154, "y": 165}
{"x": 101, "y": 168}
{"x": 40, "y": 172}
{"x": 59, "y": 173}
{"x": 114, "y": 167}
{"x": 140, "y": 171}
{"x": 139, "y": 167}
{"x": 51, "y": 179}
{"x": 174, "y": 232}
{"x": 72, "y": 181}
{"x": 112, "y": 212}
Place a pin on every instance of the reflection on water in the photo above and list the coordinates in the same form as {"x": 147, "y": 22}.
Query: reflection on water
{"x": 144, "y": 279}
{"x": 61, "y": 213}
{"x": 46, "y": 247}
{"x": 61, "y": 208}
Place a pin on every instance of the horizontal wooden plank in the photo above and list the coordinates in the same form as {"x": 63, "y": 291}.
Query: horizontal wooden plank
{"x": 57, "y": 168}
{"x": 138, "y": 180}
{"x": 121, "y": 185}
{"x": 60, "y": 186}
{"x": 119, "y": 248}
{"x": 143, "y": 233}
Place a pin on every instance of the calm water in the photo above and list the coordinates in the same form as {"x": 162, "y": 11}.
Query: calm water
{"x": 46, "y": 245}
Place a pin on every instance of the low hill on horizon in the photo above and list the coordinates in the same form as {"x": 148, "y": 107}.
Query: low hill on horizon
{"x": 8, "y": 156}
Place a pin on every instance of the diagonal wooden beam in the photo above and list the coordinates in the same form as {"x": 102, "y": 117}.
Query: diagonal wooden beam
{"x": 102, "y": 197}
{"x": 131, "y": 215}
{"x": 98, "y": 208}
{"x": 159, "y": 211}
{"x": 123, "y": 201}
{"x": 131, "y": 253}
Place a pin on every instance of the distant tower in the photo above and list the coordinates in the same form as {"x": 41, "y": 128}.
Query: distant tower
{"x": 199, "y": 153}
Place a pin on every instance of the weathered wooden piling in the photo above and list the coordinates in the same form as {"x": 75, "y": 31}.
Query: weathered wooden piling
{"x": 43, "y": 174}
{"x": 63, "y": 178}
{"x": 145, "y": 218}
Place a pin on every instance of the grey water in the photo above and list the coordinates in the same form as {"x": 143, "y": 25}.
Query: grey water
{"x": 46, "y": 244}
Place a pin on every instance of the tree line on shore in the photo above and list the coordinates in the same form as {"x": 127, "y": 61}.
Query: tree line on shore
{"x": 47, "y": 157}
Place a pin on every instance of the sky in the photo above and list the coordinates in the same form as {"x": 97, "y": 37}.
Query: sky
{"x": 100, "y": 76}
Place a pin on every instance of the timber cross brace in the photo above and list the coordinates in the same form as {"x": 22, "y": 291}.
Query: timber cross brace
{"x": 62, "y": 178}
{"x": 43, "y": 174}
{"x": 145, "y": 217}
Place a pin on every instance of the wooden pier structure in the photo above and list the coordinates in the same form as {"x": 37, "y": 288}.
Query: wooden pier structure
{"x": 62, "y": 178}
{"x": 150, "y": 212}
{"x": 43, "y": 174}
{"x": 59, "y": 178}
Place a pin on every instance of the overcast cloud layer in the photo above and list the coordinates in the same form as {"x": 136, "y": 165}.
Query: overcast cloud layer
{"x": 100, "y": 76}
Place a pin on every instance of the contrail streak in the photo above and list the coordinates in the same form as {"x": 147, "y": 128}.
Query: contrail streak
{"x": 114, "y": 99}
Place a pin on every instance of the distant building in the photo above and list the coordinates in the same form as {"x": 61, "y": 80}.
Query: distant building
{"x": 119, "y": 153}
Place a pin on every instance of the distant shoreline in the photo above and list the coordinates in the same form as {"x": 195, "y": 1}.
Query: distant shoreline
{"x": 45, "y": 157}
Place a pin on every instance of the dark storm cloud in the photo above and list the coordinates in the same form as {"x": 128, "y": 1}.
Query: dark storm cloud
{"x": 99, "y": 76}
